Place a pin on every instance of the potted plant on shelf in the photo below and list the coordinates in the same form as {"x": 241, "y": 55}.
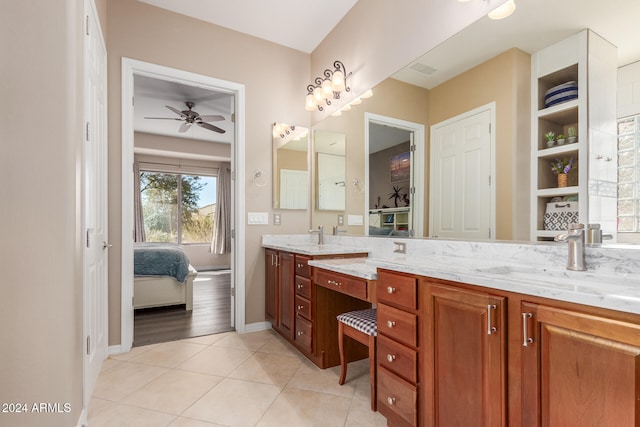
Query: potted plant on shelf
{"x": 551, "y": 138}
{"x": 560, "y": 139}
{"x": 572, "y": 135}
{"x": 562, "y": 167}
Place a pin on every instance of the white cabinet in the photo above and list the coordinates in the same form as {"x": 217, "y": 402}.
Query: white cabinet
{"x": 391, "y": 219}
{"x": 590, "y": 61}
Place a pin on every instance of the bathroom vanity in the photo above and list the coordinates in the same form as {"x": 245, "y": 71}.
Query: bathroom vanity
{"x": 497, "y": 334}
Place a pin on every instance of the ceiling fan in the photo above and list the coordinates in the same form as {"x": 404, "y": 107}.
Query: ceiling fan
{"x": 192, "y": 117}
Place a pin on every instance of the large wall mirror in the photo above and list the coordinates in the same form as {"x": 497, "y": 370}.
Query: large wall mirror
{"x": 290, "y": 167}
{"x": 488, "y": 62}
{"x": 330, "y": 178}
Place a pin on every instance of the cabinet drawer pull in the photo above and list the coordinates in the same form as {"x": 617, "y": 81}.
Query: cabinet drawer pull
{"x": 391, "y": 289}
{"x": 300, "y": 333}
{"x": 391, "y": 358}
{"x": 300, "y": 265}
{"x": 526, "y": 339}
{"x": 390, "y": 323}
{"x": 391, "y": 400}
{"x": 334, "y": 283}
{"x": 300, "y": 307}
{"x": 300, "y": 286}
{"x": 490, "y": 328}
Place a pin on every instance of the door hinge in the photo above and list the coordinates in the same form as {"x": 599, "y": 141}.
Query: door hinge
{"x": 489, "y": 127}
{"x": 413, "y": 147}
{"x": 413, "y": 190}
{"x": 233, "y": 233}
{"x": 132, "y": 303}
{"x": 489, "y": 232}
{"x": 87, "y": 24}
{"x": 88, "y": 241}
{"x": 233, "y": 117}
{"x": 88, "y": 345}
{"x": 87, "y": 131}
{"x": 233, "y": 292}
{"x": 489, "y": 179}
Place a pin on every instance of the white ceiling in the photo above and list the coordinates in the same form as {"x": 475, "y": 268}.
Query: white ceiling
{"x": 534, "y": 25}
{"x": 298, "y": 24}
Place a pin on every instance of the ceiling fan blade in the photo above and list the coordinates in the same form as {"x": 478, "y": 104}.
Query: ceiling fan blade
{"x": 211, "y": 117}
{"x": 210, "y": 127}
{"x": 175, "y": 110}
{"x": 184, "y": 127}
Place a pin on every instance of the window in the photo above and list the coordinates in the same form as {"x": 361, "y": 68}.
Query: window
{"x": 629, "y": 174}
{"x": 166, "y": 220}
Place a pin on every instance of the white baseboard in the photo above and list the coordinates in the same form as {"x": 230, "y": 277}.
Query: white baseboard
{"x": 255, "y": 327}
{"x": 115, "y": 349}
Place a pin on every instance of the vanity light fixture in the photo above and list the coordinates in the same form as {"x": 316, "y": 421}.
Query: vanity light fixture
{"x": 327, "y": 88}
{"x": 282, "y": 130}
{"x": 503, "y": 10}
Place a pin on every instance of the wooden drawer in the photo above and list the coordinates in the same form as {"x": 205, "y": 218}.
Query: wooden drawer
{"x": 303, "y": 287}
{"x": 304, "y": 329}
{"x": 303, "y": 307}
{"x": 342, "y": 283}
{"x": 302, "y": 266}
{"x": 398, "y": 290}
{"x": 398, "y": 324}
{"x": 397, "y": 358}
{"x": 397, "y": 399}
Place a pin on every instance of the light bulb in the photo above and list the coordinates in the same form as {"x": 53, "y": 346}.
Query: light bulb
{"x": 346, "y": 108}
{"x": 337, "y": 113}
{"x": 327, "y": 89}
{"x": 309, "y": 103}
{"x": 337, "y": 81}
{"x": 356, "y": 101}
{"x": 503, "y": 10}
{"x": 318, "y": 97}
{"x": 367, "y": 94}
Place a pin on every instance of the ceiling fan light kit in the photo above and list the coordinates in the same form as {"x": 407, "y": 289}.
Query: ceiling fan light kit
{"x": 190, "y": 117}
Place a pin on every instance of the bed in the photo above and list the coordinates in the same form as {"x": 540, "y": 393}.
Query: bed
{"x": 162, "y": 276}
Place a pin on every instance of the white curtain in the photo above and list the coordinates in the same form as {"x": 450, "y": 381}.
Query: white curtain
{"x": 138, "y": 225}
{"x": 221, "y": 242}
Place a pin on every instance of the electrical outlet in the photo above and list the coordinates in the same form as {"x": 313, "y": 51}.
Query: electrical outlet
{"x": 277, "y": 219}
{"x": 340, "y": 219}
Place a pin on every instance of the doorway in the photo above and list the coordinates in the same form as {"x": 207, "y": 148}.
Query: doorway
{"x": 133, "y": 68}
{"x": 400, "y": 210}
{"x": 462, "y": 171}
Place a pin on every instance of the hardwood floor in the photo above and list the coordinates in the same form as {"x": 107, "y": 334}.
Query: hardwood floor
{"x": 211, "y": 313}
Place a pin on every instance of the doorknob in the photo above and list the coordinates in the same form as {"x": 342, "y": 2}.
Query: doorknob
{"x": 106, "y": 245}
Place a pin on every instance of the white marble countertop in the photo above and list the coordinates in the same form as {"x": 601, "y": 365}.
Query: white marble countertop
{"x": 612, "y": 281}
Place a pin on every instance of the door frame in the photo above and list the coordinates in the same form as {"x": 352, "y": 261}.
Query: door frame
{"x": 491, "y": 107}
{"x": 129, "y": 68}
{"x": 417, "y": 199}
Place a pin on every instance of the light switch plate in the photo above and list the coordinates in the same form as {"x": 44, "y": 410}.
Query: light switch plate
{"x": 258, "y": 218}
{"x": 355, "y": 219}
{"x": 277, "y": 219}
{"x": 340, "y": 219}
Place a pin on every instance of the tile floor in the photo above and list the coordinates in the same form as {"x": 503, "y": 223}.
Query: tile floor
{"x": 229, "y": 379}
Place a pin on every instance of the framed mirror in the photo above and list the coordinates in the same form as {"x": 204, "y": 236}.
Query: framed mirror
{"x": 290, "y": 167}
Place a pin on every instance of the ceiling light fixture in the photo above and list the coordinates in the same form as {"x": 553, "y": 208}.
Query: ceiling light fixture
{"x": 327, "y": 88}
{"x": 503, "y": 10}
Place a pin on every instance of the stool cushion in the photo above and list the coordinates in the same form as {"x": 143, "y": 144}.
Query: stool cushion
{"x": 362, "y": 320}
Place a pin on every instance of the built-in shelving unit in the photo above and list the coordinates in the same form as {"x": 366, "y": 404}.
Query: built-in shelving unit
{"x": 569, "y": 60}
{"x": 391, "y": 218}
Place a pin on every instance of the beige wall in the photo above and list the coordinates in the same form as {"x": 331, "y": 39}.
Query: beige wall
{"x": 500, "y": 79}
{"x": 274, "y": 79}
{"x": 40, "y": 260}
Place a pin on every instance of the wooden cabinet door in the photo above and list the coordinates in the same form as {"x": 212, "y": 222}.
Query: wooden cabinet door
{"x": 579, "y": 369}
{"x": 271, "y": 281}
{"x": 468, "y": 357}
{"x": 286, "y": 295}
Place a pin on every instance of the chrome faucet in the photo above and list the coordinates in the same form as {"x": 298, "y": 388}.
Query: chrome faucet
{"x": 575, "y": 240}
{"x": 320, "y": 232}
{"x": 594, "y": 235}
{"x": 336, "y": 230}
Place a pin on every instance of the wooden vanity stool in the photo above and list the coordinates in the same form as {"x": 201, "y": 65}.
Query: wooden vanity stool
{"x": 361, "y": 325}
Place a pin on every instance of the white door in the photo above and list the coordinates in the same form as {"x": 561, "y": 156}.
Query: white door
{"x": 461, "y": 197}
{"x": 94, "y": 200}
